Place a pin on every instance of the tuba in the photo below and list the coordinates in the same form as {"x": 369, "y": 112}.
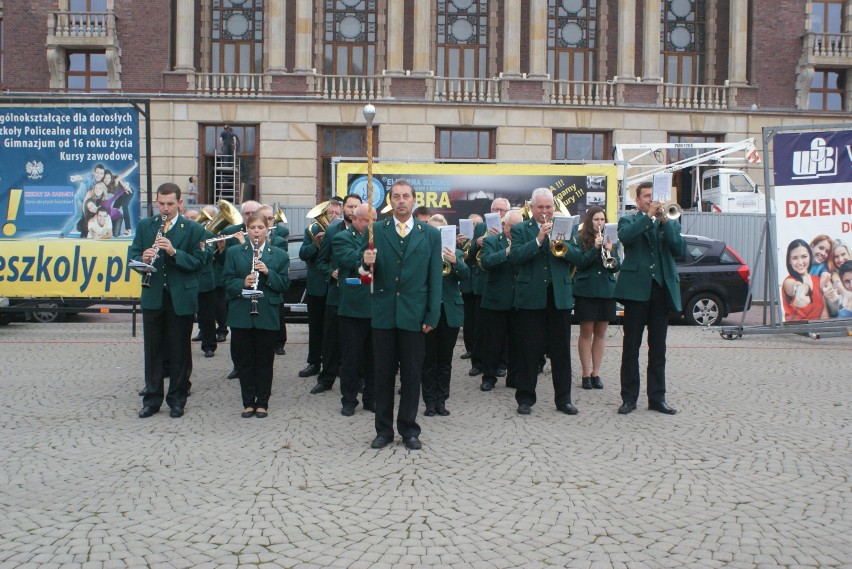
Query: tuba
{"x": 319, "y": 214}
{"x": 525, "y": 211}
{"x": 204, "y": 218}
{"x": 228, "y": 215}
{"x": 279, "y": 217}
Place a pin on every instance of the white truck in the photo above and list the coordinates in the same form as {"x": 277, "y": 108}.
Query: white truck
{"x": 723, "y": 186}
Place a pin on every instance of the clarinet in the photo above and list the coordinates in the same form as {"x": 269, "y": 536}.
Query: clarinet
{"x": 146, "y": 278}
{"x": 256, "y": 274}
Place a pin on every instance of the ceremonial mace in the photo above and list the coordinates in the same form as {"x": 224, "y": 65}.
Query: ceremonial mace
{"x": 369, "y": 115}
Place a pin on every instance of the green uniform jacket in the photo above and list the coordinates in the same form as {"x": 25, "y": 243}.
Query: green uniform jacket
{"x": 283, "y": 232}
{"x": 477, "y": 275}
{"x": 533, "y": 264}
{"x": 178, "y": 273}
{"x": 649, "y": 252}
{"x": 219, "y": 256}
{"x": 592, "y": 279}
{"x": 326, "y": 263}
{"x": 451, "y": 298}
{"x": 466, "y": 286}
{"x": 207, "y": 274}
{"x": 407, "y": 287}
{"x": 500, "y": 284}
{"x": 348, "y": 249}
{"x": 238, "y": 262}
{"x": 309, "y": 252}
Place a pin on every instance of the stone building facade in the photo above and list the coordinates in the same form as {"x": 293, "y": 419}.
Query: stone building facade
{"x": 520, "y": 80}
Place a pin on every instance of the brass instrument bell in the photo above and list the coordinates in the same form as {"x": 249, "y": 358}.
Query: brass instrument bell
{"x": 447, "y": 268}
{"x": 558, "y": 248}
{"x": 319, "y": 214}
{"x": 670, "y": 209}
{"x": 279, "y": 217}
{"x": 203, "y": 217}
{"x": 228, "y": 215}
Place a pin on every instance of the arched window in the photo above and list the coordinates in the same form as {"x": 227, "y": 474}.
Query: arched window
{"x": 462, "y": 38}
{"x": 571, "y": 39}
{"x": 683, "y": 42}
{"x": 237, "y": 34}
{"x": 349, "y": 37}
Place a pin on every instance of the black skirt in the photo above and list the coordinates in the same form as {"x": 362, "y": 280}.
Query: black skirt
{"x": 594, "y": 309}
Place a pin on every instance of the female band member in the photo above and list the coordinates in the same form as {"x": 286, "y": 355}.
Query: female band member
{"x": 438, "y": 363}
{"x": 255, "y": 262}
{"x": 594, "y": 284}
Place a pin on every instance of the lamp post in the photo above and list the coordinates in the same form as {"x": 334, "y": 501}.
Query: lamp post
{"x": 369, "y": 115}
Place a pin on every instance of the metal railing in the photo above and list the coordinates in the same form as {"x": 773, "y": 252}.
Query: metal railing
{"x": 465, "y": 90}
{"x": 836, "y": 46}
{"x": 66, "y": 24}
{"x": 675, "y": 96}
{"x": 349, "y": 87}
{"x": 229, "y": 84}
{"x": 595, "y": 93}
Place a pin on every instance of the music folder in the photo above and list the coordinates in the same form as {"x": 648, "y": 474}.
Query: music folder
{"x": 251, "y": 293}
{"x": 141, "y": 267}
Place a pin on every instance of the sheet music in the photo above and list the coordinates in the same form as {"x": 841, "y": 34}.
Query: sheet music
{"x": 448, "y": 237}
{"x": 662, "y": 187}
{"x": 492, "y": 221}
{"x": 610, "y": 232}
{"x": 561, "y": 226}
{"x": 466, "y": 227}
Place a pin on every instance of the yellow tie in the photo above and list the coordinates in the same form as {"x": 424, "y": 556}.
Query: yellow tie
{"x": 167, "y": 226}
{"x": 401, "y": 227}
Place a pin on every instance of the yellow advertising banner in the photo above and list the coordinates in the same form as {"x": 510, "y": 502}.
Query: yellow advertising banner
{"x": 457, "y": 190}
{"x": 67, "y": 268}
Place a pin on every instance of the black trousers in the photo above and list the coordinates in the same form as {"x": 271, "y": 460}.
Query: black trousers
{"x": 253, "y": 353}
{"x": 654, "y": 314}
{"x": 281, "y": 338}
{"x": 166, "y": 334}
{"x": 356, "y": 354}
{"x": 330, "y": 347}
{"x": 207, "y": 319}
{"x": 316, "y": 319}
{"x": 438, "y": 362}
{"x": 221, "y": 311}
{"x": 403, "y": 349}
{"x": 469, "y": 320}
{"x": 538, "y": 329}
{"x": 499, "y": 348}
{"x": 478, "y": 333}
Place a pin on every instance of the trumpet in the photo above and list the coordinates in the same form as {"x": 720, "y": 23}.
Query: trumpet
{"x": 606, "y": 257}
{"x": 466, "y": 250}
{"x": 146, "y": 278}
{"x": 447, "y": 268}
{"x": 669, "y": 209}
{"x": 558, "y": 248}
{"x": 217, "y": 239}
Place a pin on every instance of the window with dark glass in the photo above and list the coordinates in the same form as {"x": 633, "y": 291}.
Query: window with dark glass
{"x": 675, "y": 155}
{"x": 571, "y": 39}
{"x": 237, "y": 34}
{"x": 464, "y": 144}
{"x": 246, "y": 154}
{"x": 827, "y": 16}
{"x": 581, "y": 145}
{"x": 334, "y": 142}
{"x": 349, "y": 37}
{"x": 86, "y": 71}
{"x": 827, "y": 90}
{"x": 683, "y": 41}
{"x": 462, "y": 38}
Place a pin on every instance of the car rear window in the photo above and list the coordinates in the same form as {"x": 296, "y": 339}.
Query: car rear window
{"x": 694, "y": 252}
{"x": 727, "y": 258}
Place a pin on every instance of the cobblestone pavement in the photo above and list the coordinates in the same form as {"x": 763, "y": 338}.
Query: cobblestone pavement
{"x": 753, "y": 472}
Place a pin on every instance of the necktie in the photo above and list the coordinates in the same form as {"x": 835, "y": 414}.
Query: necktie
{"x": 401, "y": 227}
{"x": 167, "y": 226}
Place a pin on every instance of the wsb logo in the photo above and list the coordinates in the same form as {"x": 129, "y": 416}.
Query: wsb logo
{"x": 819, "y": 161}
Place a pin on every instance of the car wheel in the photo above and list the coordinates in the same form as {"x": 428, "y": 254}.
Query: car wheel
{"x": 703, "y": 309}
{"x": 45, "y": 315}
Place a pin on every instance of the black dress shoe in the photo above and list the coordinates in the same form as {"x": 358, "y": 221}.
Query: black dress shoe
{"x": 474, "y": 371}
{"x": 233, "y": 374}
{"x": 442, "y": 410}
{"x": 466, "y": 356}
{"x": 662, "y": 407}
{"x": 221, "y": 336}
{"x": 347, "y": 410}
{"x": 247, "y": 414}
{"x": 430, "y": 412}
{"x": 412, "y": 443}
{"x": 486, "y": 385}
{"x": 626, "y": 408}
{"x": 310, "y": 370}
{"x": 142, "y": 393}
{"x": 146, "y": 412}
{"x": 209, "y": 353}
{"x": 587, "y": 383}
{"x": 176, "y": 413}
{"x": 319, "y": 388}
{"x": 524, "y": 409}
{"x": 261, "y": 414}
{"x": 197, "y": 337}
{"x": 567, "y": 408}
{"x": 369, "y": 406}
{"x": 501, "y": 372}
{"x": 596, "y": 382}
{"x": 381, "y": 441}
{"x": 279, "y": 351}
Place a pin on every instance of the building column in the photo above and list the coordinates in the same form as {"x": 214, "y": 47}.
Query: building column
{"x": 538, "y": 39}
{"x": 304, "y": 36}
{"x": 626, "y": 68}
{"x": 512, "y": 38}
{"x": 422, "y": 37}
{"x": 738, "y": 46}
{"x": 275, "y": 18}
{"x": 651, "y": 42}
{"x": 395, "y": 46}
{"x": 185, "y": 38}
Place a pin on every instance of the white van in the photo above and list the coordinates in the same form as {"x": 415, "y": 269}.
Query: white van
{"x": 730, "y": 190}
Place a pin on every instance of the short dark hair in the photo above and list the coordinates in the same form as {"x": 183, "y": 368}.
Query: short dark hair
{"x": 844, "y": 268}
{"x": 401, "y": 183}
{"x": 642, "y": 186}
{"x": 352, "y": 196}
{"x": 169, "y": 188}
{"x": 337, "y": 199}
{"x": 422, "y": 210}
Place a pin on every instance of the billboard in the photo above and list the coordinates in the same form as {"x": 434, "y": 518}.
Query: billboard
{"x": 69, "y": 200}
{"x": 458, "y": 190}
{"x": 813, "y": 223}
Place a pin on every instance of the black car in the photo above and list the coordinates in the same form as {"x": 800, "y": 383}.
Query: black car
{"x": 714, "y": 281}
